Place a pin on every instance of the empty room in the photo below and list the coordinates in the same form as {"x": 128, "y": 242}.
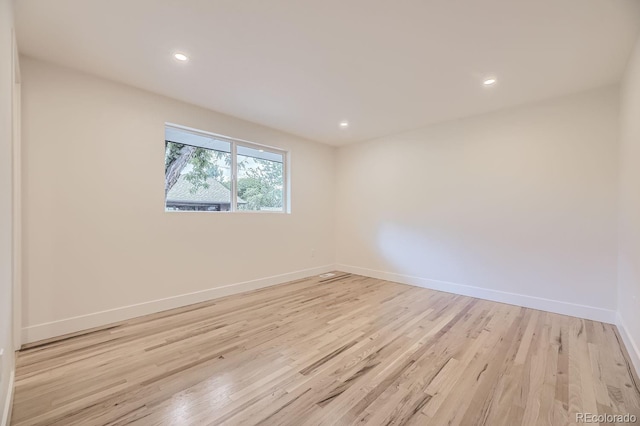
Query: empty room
{"x": 243, "y": 212}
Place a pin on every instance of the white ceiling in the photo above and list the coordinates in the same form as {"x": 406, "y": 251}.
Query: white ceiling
{"x": 302, "y": 67}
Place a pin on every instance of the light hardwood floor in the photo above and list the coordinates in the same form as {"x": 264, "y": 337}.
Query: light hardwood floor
{"x": 337, "y": 351}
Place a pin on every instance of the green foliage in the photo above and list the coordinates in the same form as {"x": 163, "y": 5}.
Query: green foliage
{"x": 262, "y": 185}
{"x": 204, "y": 165}
{"x": 203, "y": 168}
{"x": 171, "y": 153}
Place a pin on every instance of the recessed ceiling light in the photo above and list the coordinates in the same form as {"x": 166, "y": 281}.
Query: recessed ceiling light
{"x": 344, "y": 124}
{"x": 489, "y": 81}
{"x": 181, "y": 57}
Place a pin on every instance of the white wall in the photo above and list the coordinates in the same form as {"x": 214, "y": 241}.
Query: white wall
{"x": 6, "y": 199}
{"x": 519, "y": 201}
{"x": 96, "y": 236}
{"x": 629, "y": 250}
{"x": 517, "y": 205}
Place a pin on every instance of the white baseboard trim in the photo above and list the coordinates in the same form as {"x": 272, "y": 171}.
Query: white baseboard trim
{"x": 548, "y": 305}
{"x": 6, "y": 413}
{"x": 61, "y": 327}
{"x": 632, "y": 346}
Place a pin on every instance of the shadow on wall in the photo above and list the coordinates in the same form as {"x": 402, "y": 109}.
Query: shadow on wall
{"x": 409, "y": 253}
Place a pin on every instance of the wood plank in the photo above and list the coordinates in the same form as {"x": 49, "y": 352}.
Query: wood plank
{"x": 344, "y": 350}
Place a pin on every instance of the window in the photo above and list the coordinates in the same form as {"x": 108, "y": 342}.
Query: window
{"x": 207, "y": 172}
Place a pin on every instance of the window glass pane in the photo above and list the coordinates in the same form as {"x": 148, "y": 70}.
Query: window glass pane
{"x": 260, "y": 180}
{"x": 198, "y": 173}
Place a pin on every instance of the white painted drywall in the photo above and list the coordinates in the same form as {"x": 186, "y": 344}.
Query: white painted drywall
{"x": 96, "y": 236}
{"x": 6, "y": 199}
{"x": 629, "y": 249}
{"x": 520, "y": 201}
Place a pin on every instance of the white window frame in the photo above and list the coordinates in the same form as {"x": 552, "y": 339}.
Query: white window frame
{"x": 234, "y": 143}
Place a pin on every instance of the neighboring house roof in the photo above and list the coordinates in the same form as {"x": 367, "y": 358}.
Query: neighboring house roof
{"x": 216, "y": 193}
